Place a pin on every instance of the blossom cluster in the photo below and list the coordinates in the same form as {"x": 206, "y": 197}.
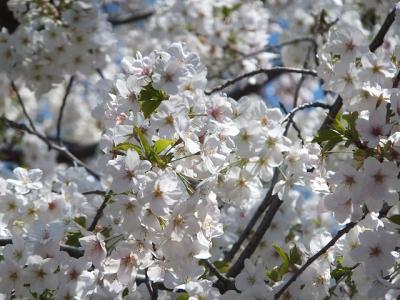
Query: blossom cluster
{"x": 54, "y": 40}
{"x": 193, "y": 194}
{"x": 223, "y": 33}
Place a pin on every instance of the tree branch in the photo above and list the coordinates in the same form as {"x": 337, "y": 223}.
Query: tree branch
{"x": 379, "y": 37}
{"x": 383, "y": 212}
{"x": 323, "y": 250}
{"x": 256, "y": 238}
{"x": 99, "y": 212}
{"x": 269, "y": 72}
{"x": 72, "y": 251}
{"x": 257, "y": 214}
{"x": 223, "y": 283}
{"x": 290, "y": 116}
{"x": 62, "y": 107}
{"x": 51, "y": 145}
{"x": 21, "y": 103}
{"x": 138, "y": 16}
{"x": 294, "y": 125}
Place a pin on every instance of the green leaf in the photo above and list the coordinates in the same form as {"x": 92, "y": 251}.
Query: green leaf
{"x": 73, "y": 239}
{"x": 125, "y": 292}
{"x": 222, "y": 266}
{"x": 150, "y": 99}
{"x": 295, "y": 256}
{"x": 341, "y": 272}
{"x": 273, "y": 275}
{"x": 160, "y": 145}
{"x": 284, "y": 267}
{"x": 282, "y": 254}
{"x": 182, "y": 296}
{"x": 143, "y": 142}
{"x": 226, "y": 11}
{"x": 292, "y": 232}
{"x": 395, "y": 219}
{"x": 126, "y": 146}
{"x": 330, "y": 136}
{"x": 333, "y": 141}
{"x": 81, "y": 221}
{"x": 338, "y": 125}
{"x": 162, "y": 222}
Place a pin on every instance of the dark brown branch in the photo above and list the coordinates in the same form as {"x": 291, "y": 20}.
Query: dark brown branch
{"x": 62, "y": 107}
{"x": 51, "y": 145}
{"x": 223, "y": 283}
{"x": 290, "y": 116}
{"x": 102, "y": 193}
{"x": 247, "y": 90}
{"x": 335, "y": 108}
{"x": 99, "y": 213}
{"x": 7, "y": 19}
{"x": 268, "y": 197}
{"x": 138, "y": 16}
{"x": 21, "y": 103}
{"x": 72, "y": 251}
{"x": 295, "y": 126}
{"x": 256, "y": 238}
{"x": 257, "y": 214}
{"x": 268, "y": 72}
{"x": 396, "y": 80}
{"x": 379, "y": 37}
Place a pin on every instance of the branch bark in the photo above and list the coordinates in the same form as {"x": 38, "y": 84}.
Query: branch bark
{"x": 62, "y": 107}
{"x": 257, "y": 214}
{"x": 51, "y": 145}
{"x": 268, "y": 72}
{"x": 99, "y": 212}
{"x": 379, "y": 37}
{"x": 256, "y": 238}
{"x": 138, "y": 16}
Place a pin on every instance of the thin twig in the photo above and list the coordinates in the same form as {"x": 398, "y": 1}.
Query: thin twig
{"x": 138, "y": 16}
{"x": 62, "y": 107}
{"x": 295, "y": 126}
{"x": 94, "y": 193}
{"x": 99, "y": 213}
{"x": 283, "y": 44}
{"x": 269, "y": 72}
{"x": 21, "y": 103}
{"x": 51, "y": 145}
{"x": 72, "y": 251}
{"x": 305, "y": 106}
{"x": 100, "y": 73}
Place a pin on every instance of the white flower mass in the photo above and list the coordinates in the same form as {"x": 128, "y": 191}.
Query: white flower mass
{"x": 189, "y": 149}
